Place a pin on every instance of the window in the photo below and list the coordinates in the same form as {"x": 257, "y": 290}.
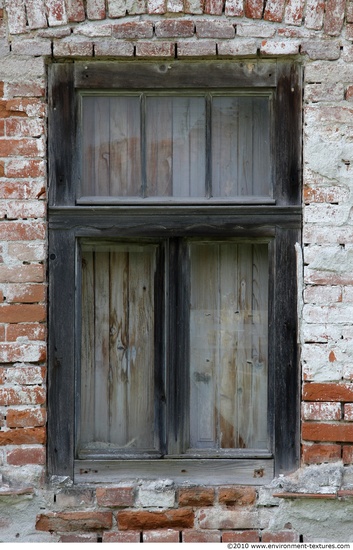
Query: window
{"x": 174, "y": 212}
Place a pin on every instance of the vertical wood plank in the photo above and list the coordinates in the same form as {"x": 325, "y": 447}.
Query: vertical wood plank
{"x": 245, "y": 148}
{"x": 189, "y": 147}
{"x": 261, "y": 149}
{"x": 159, "y": 143}
{"x": 61, "y": 356}
{"x": 225, "y": 144}
{"x": 203, "y": 344}
{"x": 125, "y": 149}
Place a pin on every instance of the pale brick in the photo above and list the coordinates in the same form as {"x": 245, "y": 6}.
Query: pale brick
{"x": 229, "y": 519}
{"x": 29, "y": 252}
{"x": 323, "y": 294}
{"x": 321, "y": 49}
{"x": 196, "y": 49}
{"x": 36, "y": 16}
{"x": 321, "y": 411}
{"x": 13, "y": 352}
{"x": 163, "y": 535}
{"x": 135, "y": 7}
{"x": 75, "y": 10}
{"x": 255, "y": 30}
{"x": 334, "y": 15}
{"x": 175, "y": 6}
{"x": 348, "y": 412}
{"x": 234, "y": 8}
{"x": 314, "y": 14}
{"x": 73, "y": 46}
{"x": 116, "y": 8}
{"x": 118, "y": 49}
{"x": 95, "y": 9}
{"x": 16, "y": 16}
{"x": 238, "y": 47}
{"x": 294, "y": 11}
{"x": 56, "y": 10}
{"x": 277, "y": 47}
{"x": 194, "y": 6}
{"x": 214, "y": 29}
{"x": 94, "y": 30}
{"x": 155, "y": 49}
{"x": 156, "y": 6}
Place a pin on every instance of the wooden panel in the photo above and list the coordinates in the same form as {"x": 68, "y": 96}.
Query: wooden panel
{"x": 61, "y": 356}
{"x": 203, "y": 74}
{"x": 228, "y": 339}
{"x": 125, "y": 147}
{"x": 241, "y": 158}
{"x": 117, "y": 375}
{"x": 209, "y": 472}
{"x": 62, "y": 133}
{"x": 159, "y": 146}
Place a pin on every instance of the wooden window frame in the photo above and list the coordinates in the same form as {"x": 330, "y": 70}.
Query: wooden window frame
{"x": 279, "y": 221}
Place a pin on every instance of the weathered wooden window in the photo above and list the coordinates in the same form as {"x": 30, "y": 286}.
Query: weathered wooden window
{"x": 167, "y": 145}
{"x": 174, "y": 211}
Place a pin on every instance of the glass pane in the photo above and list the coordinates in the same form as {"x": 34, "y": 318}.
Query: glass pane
{"x": 117, "y": 348}
{"x": 228, "y": 345}
{"x": 241, "y": 147}
{"x": 111, "y": 146}
{"x": 175, "y": 146}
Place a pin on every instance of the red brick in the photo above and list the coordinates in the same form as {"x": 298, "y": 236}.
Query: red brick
{"x": 33, "y": 332}
{"x": 274, "y": 10}
{"x": 56, "y": 12}
{"x": 73, "y": 46}
{"x": 155, "y": 49}
{"x": 314, "y": 431}
{"x": 95, "y": 9}
{"x": 121, "y": 536}
{"x": 2, "y": 334}
{"x": 2, "y": 420}
{"x": 174, "y": 28}
{"x": 348, "y": 412}
{"x": 24, "y": 352}
{"x": 136, "y": 29}
{"x": 21, "y": 168}
{"x": 26, "y": 147}
{"x": 163, "y": 535}
{"x": 28, "y": 294}
{"x": 237, "y": 496}
{"x": 74, "y": 521}
{"x": 22, "y": 231}
{"x": 234, "y": 8}
{"x": 321, "y": 411}
{"x": 17, "y": 313}
{"x": 196, "y": 496}
{"x": 22, "y": 395}
{"x": 75, "y": 11}
{"x": 115, "y": 496}
{"x": 197, "y": 49}
{"x": 214, "y": 7}
{"x": 27, "y": 106}
{"x": 334, "y": 16}
{"x": 28, "y": 455}
{"x": 201, "y": 536}
{"x": 318, "y": 454}
{"x": 25, "y": 418}
{"x": 28, "y": 375}
{"x": 214, "y": 29}
{"x": 240, "y": 536}
{"x": 25, "y": 89}
{"x": 347, "y": 454}
{"x": 23, "y": 436}
{"x": 21, "y": 273}
{"x": 280, "y": 536}
{"x": 253, "y": 9}
{"x": 2, "y": 375}
{"x": 142, "y": 520}
{"x": 316, "y": 391}
{"x": 294, "y": 10}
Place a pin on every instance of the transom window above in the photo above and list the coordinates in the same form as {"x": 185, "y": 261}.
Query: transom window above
{"x": 199, "y": 146}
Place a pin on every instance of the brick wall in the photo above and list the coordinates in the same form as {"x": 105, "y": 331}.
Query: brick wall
{"x": 320, "y": 35}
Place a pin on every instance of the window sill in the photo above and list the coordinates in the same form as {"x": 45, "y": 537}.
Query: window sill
{"x": 186, "y": 471}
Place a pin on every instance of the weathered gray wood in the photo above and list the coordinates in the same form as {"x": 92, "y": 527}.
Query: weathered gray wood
{"x": 210, "y": 472}
{"x": 200, "y": 74}
{"x": 117, "y": 381}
